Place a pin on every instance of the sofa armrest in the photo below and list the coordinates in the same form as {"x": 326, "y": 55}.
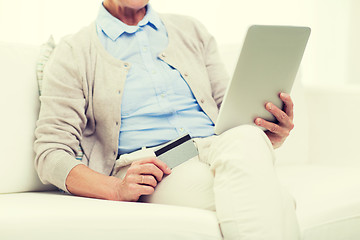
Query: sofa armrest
{"x": 333, "y": 113}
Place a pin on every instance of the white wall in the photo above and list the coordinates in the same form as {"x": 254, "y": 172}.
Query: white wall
{"x": 331, "y": 57}
{"x": 331, "y": 36}
{"x": 354, "y": 43}
{"x": 33, "y": 21}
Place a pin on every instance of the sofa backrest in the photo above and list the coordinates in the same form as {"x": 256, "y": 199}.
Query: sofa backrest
{"x": 334, "y": 132}
{"x": 19, "y": 101}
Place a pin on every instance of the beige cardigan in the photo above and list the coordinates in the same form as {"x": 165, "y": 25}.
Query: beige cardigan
{"x": 83, "y": 87}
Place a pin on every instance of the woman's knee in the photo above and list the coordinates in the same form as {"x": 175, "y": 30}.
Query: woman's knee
{"x": 243, "y": 142}
{"x": 244, "y": 131}
{"x": 242, "y": 137}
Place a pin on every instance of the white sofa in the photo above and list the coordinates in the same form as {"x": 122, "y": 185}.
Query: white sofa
{"x": 319, "y": 165}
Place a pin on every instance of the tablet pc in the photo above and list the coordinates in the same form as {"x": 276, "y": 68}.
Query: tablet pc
{"x": 267, "y": 65}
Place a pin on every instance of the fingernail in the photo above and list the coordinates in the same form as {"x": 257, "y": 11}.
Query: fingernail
{"x": 269, "y": 106}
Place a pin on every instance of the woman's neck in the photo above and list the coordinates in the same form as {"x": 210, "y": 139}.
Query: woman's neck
{"x": 127, "y": 15}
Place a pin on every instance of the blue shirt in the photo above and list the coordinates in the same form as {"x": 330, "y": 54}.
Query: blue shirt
{"x": 157, "y": 104}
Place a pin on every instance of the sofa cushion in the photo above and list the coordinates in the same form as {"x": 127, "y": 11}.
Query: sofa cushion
{"x": 51, "y": 215}
{"x": 327, "y": 199}
{"x": 19, "y": 100}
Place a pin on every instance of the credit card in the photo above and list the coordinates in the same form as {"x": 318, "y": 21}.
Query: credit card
{"x": 177, "y": 151}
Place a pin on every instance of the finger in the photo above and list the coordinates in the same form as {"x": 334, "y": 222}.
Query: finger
{"x": 160, "y": 164}
{"x": 132, "y": 191}
{"x": 272, "y": 127}
{"x": 288, "y": 105}
{"x": 136, "y": 190}
{"x": 275, "y": 139}
{"x": 147, "y": 180}
{"x": 145, "y": 190}
{"x": 280, "y": 115}
{"x": 144, "y": 160}
{"x": 150, "y": 169}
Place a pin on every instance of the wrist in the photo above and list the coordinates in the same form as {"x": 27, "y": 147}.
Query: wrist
{"x": 82, "y": 181}
{"x": 113, "y": 187}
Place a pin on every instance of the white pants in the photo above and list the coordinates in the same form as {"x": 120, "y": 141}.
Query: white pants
{"x": 233, "y": 175}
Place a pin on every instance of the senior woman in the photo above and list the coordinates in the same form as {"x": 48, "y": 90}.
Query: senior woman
{"x": 135, "y": 79}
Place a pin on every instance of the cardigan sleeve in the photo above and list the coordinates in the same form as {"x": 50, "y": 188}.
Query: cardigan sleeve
{"x": 218, "y": 75}
{"x": 61, "y": 119}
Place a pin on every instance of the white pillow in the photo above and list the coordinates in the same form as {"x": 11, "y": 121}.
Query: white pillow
{"x": 19, "y": 99}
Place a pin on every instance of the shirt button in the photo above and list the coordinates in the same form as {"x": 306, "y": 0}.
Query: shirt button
{"x": 126, "y": 65}
{"x": 202, "y": 100}
{"x": 119, "y": 92}
{"x": 186, "y": 74}
{"x": 163, "y": 55}
{"x": 114, "y": 153}
{"x": 117, "y": 123}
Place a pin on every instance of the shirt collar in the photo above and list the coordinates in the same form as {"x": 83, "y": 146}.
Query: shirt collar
{"x": 113, "y": 27}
